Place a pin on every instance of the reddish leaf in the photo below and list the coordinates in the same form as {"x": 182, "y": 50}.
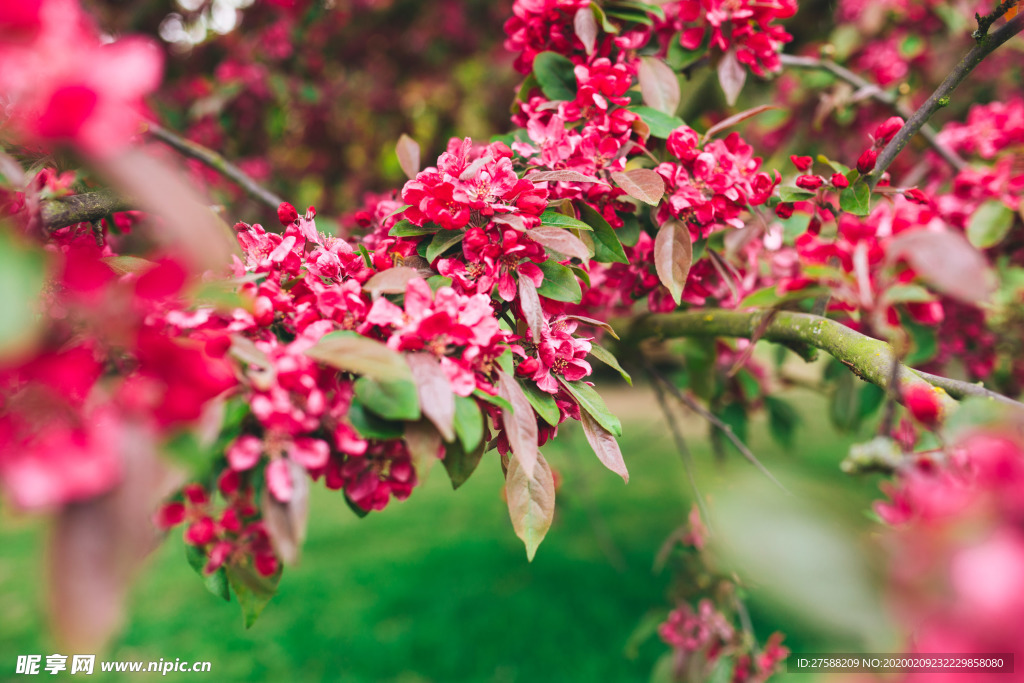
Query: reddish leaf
{"x": 529, "y": 301}
{"x": 435, "y": 391}
{"x": 641, "y": 183}
{"x": 732, "y": 76}
{"x": 562, "y": 177}
{"x": 424, "y": 443}
{"x": 520, "y": 423}
{"x": 390, "y": 281}
{"x": 946, "y": 261}
{"x": 97, "y": 546}
{"x": 531, "y": 502}
{"x": 562, "y": 241}
{"x": 408, "y": 151}
{"x": 595, "y": 323}
{"x": 659, "y": 85}
{"x": 586, "y": 28}
{"x": 673, "y": 255}
{"x": 361, "y": 355}
{"x": 286, "y": 522}
{"x": 733, "y": 120}
{"x": 512, "y": 220}
{"x": 604, "y": 445}
{"x": 189, "y": 226}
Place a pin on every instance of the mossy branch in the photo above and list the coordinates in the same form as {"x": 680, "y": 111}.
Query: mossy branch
{"x": 81, "y": 208}
{"x": 868, "y": 358}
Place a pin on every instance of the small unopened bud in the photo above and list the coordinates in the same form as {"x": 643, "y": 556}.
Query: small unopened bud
{"x": 801, "y": 163}
{"x": 923, "y": 404}
{"x": 884, "y": 133}
{"x": 287, "y": 214}
{"x": 915, "y": 195}
{"x": 809, "y": 182}
{"x": 840, "y": 181}
{"x": 867, "y": 160}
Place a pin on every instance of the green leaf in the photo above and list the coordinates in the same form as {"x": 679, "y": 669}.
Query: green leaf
{"x": 542, "y": 402}
{"x": 460, "y": 462}
{"x": 926, "y": 342}
{"x": 217, "y": 582}
{"x": 352, "y": 352}
{"x": 405, "y": 228}
{"x": 644, "y": 7}
{"x": 560, "y": 220}
{"x": 908, "y": 294}
{"x": 635, "y": 16}
{"x": 22, "y": 273}
{"x": 679, "y": 57}
{"x": 556, "y": 76}
{"x": 591, "y": 401}
{"x": 560, "y": 283}
{"x": 843, "y": 408}
{"x": 856, "y": 199}
{"x": 782, "y": 420}
{"x": 493, "y": 400}
{"x": 469, "y": 422}
{"x": 122, "y": 265}
{"x": 606, "y": 25}
{"x": 989, "y": 224}
{"x": 607, "y": 248}
{"x": 869, "y": 399}
{"x": 660, "y": 123}
{"x": 370, "y": 426}
{"x": 629, "y": 233}
{"x": 794, "y": 194}
{"x": 443, "y": 240}
{"x": 392, "y": 400}
{"x": 606, "y": 357}
{"x": 253, "y": 591}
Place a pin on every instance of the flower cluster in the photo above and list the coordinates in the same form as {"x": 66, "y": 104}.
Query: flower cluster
{"x": 958, "y": 589}
{"x": 712, "y": 185}
{"x": 745, "y": 27}
{"x": 68, "y": 85}
{"x": 102, "y": 368}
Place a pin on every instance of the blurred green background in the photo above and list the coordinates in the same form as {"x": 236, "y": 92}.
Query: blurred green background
{"x": 438, "y": 588}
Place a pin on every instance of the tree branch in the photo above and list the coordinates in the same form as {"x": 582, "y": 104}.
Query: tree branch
{"x": 870, "y": 359}
{"x": 216, "y": 162}
{"x": 940, "y": 98}
{"x": 80, "y": 208}
{"x": 879, "y": 95}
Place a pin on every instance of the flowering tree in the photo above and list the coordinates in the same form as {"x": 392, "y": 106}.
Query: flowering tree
{"x": 161, "y": 369}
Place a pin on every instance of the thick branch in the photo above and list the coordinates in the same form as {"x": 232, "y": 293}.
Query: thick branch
{"x": 870, "y": 359}
{"x": 940, "y": 98}
{"x": 81, "y": 208}
{"x": 879, "y": 95}
{"x": 217, "y": 163}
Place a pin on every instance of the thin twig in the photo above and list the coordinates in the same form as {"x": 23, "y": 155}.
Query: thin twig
{"x": 940, "y": 98}
{"x": 216, "y": 162}
{"x": 985, "y": 22}
{"x": 724, "y": 429}
{"x": 677, "y": 435}
{"x": 879, "y": 95}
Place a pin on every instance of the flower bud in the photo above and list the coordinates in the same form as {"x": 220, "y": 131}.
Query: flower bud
{"x": 867, "y": 160}
{"x": 840, "y": 181}
{"x": 889, "y": 128}
{"x": 915, "y": 195}
{"x": 809, "y": 182}
{"x": 801, "y": 163}
{"x": 287, "y": 214}
{"x": 923, "y": 404}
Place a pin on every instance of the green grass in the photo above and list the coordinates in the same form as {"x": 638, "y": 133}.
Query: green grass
{"x": 438, "y": 588}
